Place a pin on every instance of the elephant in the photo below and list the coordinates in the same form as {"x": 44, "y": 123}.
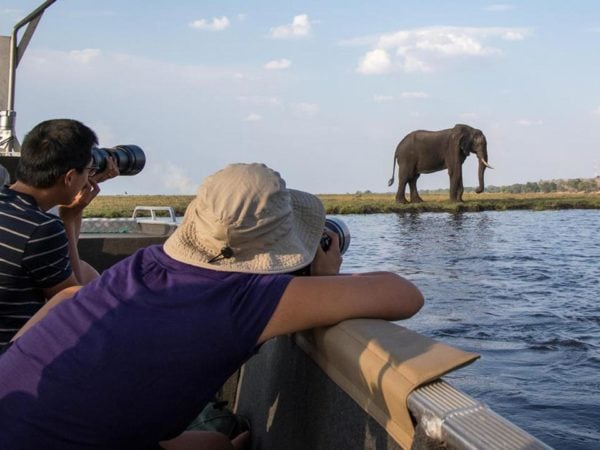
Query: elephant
{"x": 424, "y": 151}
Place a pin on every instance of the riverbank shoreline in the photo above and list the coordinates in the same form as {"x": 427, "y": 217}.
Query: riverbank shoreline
{"x": 110, "y": 206}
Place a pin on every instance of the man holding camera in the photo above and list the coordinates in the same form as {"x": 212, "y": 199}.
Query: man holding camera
{"x": 38, "y": 250}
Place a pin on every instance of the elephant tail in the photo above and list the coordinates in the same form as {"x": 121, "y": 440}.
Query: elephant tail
{"x": 391, "y": 181}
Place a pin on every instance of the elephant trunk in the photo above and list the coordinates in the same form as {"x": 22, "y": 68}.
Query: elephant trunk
{"x": 480, "y": 172}
{"x": 482, "y": 156}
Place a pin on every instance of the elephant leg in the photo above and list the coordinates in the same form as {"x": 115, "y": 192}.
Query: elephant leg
{"x": 414, "y": 194}
{"x": 400, "y": 197}
{"x": 455, "y": 185}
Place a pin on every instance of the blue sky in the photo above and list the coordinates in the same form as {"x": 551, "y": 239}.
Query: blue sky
{"x": 322, "y": 91}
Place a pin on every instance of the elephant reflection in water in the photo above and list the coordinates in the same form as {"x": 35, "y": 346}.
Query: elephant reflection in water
{"x": 430, "y": 151}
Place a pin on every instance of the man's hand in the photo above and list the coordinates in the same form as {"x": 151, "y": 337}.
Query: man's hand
{"x": 71, "y": 216}
{"x": 81, "y": 200}
{"x": 327, "y": 262}
{"x": 110, "y": 171}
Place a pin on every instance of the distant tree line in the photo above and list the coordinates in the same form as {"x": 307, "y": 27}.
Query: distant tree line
{"x": 571, "y": 185}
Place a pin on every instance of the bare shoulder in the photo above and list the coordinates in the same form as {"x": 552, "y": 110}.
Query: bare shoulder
{"x": 310, "y": 302}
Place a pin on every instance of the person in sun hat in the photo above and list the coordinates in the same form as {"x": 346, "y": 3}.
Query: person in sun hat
{"x": 130, "y": 359}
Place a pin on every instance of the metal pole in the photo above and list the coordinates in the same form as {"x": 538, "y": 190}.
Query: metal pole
{"x": 10, "y": 149}
{"x": 16, "y": 50}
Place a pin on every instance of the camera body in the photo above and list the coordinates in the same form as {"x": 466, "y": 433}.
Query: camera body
{"x": 340, "y": 228}
{"x": 130, "y": 159}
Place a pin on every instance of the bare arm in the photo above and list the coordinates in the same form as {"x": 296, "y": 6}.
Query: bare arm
{"x": 41, "y": 313}
{"x": 71, "y": 216}
{"x": 318, "y": 301}
{"x": 315, "y": 301}
{"x": 52, "y": 291}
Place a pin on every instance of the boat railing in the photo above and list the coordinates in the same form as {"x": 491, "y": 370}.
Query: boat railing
{"x": 365, "y": 385}
{"x": 445, "y": 414}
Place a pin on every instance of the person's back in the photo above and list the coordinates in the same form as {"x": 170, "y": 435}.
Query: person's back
{"x": 187, "y": 330}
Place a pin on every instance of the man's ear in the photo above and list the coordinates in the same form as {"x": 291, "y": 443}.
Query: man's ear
{"x": 69, "y": 177}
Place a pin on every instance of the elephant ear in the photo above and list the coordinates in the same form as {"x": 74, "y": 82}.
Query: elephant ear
{"x": 465, "y": 144}
{"x": 464, "y": 138}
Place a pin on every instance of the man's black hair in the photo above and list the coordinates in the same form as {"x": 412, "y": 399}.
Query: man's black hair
{"x": 51, "y": 149}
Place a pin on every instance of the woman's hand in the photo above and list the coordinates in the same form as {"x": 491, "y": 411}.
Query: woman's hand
{"x": 328, "y": 262}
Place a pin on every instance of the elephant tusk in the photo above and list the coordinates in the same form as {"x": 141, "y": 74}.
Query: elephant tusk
{"x": 486, "y": 164}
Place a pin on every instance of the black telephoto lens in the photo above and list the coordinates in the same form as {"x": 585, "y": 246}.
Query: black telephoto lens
{"x": 130, "y": 159}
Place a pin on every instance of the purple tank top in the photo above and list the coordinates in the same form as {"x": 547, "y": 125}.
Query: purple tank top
{"x": 134, "y": 356}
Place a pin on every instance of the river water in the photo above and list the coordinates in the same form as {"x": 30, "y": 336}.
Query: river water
{"x": 522, "y": 289}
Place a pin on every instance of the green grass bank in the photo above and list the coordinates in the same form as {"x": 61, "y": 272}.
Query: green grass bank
{"x": 122, "y": 205}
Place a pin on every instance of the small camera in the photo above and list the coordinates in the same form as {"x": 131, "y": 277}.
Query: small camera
{"x": 130, "y": 159}
{"x": 340, "y": 228}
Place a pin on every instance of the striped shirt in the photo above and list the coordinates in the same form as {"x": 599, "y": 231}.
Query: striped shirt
{"x": 34, "y": 255}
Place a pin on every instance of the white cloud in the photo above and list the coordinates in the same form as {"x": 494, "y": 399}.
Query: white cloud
{"x": 414, "y": 64}
{"x": 253, "y": 117}
{"x": 383, "y": 98}
{"x": 173, "y": 178}
{"x": 217, "y": 24}
{"x": 106, "y": 135}
{"x": 513, "y": 35}
{"x": 85, "y": 56}
{"x": 403, "y": 96}
{"x": 596, "y": 111}
{"x": 427, "y": 49}
{"x": 374, "y": 62}
{"x": 259, "y": 100}
{"x": 300, "y": 27}
{"x": 92, "y": 67}
{"x": 414, "y": 95}
{"x": 305, "y": 109}
{"x": 499, "y": 7}
{"x": 280, "y": 64}
{"x": 529, "y": 122}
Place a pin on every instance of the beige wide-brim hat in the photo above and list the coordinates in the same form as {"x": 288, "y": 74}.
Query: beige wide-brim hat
{"x": 244, "y": 219}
